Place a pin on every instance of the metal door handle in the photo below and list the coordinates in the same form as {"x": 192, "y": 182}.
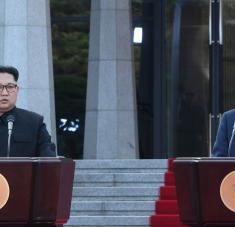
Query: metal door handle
{"x": 221, "y": 22}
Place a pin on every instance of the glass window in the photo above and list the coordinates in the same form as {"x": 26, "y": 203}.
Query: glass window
{"x": 70, "y": 40}
{"x": 188, "y": 77}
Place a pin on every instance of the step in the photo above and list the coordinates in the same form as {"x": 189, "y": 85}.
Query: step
{"x": 115, "y": 193}
{"x": 113, "y": 208}
{"x": 165, "y": 221}
{"x": 122, "y": 165}
{"x": 140, "y": 221}
{"x": 170, "y": 164}
{"x": 118, "y": 179}
{"x": 166, "y": 207}
{"x": 169, "y": 178}
{"x": 168, "y": 192}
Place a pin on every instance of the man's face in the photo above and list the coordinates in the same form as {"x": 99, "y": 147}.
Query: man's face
{"x": 7, "y": 97}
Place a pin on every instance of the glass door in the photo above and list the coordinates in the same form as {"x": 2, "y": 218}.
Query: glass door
{"x": 221, "y": 44}
{"x": 228, "y": 55}
{"x": 188, "y": 77}
{"x": 216, "y": 65}
{"x": 200, "y": 72}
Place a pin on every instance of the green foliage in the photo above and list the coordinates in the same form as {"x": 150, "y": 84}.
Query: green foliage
{"x": 70, "y": 91}
{"x": 70, "y": 7}
{"x": 70, "y": 40}
{"x": 70, "y": 49}
{"x": 137, "y": 7}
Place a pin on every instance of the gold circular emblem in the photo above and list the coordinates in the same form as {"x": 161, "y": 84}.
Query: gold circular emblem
{"x": 4, "y": 191}
{"x": 227, "y": 191}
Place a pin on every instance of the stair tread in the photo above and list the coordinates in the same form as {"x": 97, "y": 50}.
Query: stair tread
{"x": 115, "y": 178}
{"x": 116, "y": 192}
{"x": 161, "y": 219}
{"x": 166, "y": 207}
{"x": 115, "y": 205}
{"x": 170, "y": 163}
{"x": 123, "y": 163}
{"x": 109, "y": 220}
{"x": 169, "y": 178}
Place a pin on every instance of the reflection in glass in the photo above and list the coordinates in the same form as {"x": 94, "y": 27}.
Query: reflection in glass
{"x": 70, "y": 37}
{"x": 188, "y": 77}
{"x": 228, "y": 54}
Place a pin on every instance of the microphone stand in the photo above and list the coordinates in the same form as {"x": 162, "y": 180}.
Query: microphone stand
{"x": 10, "y": 121}
{"x": 9, "y": 143}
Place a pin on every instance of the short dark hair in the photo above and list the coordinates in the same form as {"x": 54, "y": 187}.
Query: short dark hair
{"x": 11, "y": 70}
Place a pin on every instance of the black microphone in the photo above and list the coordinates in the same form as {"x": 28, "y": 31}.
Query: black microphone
{"x": 231, "y": 140}
{"x": 10, "y": 122}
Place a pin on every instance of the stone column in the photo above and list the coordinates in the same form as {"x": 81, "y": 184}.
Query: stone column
{"x": 111, "y": 122}
{"x": 25, "y": 42}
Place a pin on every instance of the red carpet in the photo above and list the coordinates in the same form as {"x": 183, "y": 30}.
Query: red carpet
{"x": 166, "y": 208}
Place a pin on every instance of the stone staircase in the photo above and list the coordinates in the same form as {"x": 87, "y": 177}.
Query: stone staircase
{"x": 115, "y": 192}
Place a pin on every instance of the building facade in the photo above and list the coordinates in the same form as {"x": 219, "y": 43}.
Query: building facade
{"x": 114, "y": 98}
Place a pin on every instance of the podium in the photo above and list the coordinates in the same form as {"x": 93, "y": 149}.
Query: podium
{"x": 35, "y": 192}
{"x": 205, "y": 190}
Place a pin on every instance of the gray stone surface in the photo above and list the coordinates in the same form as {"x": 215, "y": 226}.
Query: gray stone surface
{"x": 107, "y": 93}
{"x": 2, "y": 13}
{"x": 37, "y": 37}
{"x": 107, "y": 129}
{"x": 109, "y": 221}
{"x": 1, "y": 42}
{"x": 124, "y": 37}
{"x": 126, "y": 134}
{"x": 111, "y": 124}
{"x": 16, "y": 12}
{"x": 108, "y": 35}
{"x": 25, "y": 34}
{"x": 118, "y": 179}
{"x": 119, "y": 165}
{"x": 126, "y": 102}
{"x": 15, "y": 47}
{"x": 38, "y": 17}
{"x": 40, "y": 104}
{"x": 92, "y": 100}
{"x": 111, "y": 191}
{"x": 113, "y": 208}
{"x": 116, "y": 193}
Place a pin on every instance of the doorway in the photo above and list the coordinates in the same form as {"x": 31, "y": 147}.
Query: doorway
{"x": 200, "y": 72}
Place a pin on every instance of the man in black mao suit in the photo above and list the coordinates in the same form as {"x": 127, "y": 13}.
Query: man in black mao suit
{"x": 30, "y": 137}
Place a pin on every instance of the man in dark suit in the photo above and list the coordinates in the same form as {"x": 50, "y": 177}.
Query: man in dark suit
{"x": 225, "y": 141}
{"x": 29, "y": 137}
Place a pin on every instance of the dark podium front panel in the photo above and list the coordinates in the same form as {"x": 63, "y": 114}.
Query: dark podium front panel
{"x": 206, "y": 191}
{"x": 40, "y": 191}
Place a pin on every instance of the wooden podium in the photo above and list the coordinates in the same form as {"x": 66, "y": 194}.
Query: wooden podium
{"x": 205, "y": 190}
{"x": 35, "y": 192}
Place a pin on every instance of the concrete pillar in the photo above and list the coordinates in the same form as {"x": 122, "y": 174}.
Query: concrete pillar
{"x": 25, "y": 42}
{"x": 111, "y": 122}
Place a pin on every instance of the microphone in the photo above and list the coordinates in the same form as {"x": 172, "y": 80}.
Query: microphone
{"x": 10, "y": 122}
{"x": 231, "y": 140}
